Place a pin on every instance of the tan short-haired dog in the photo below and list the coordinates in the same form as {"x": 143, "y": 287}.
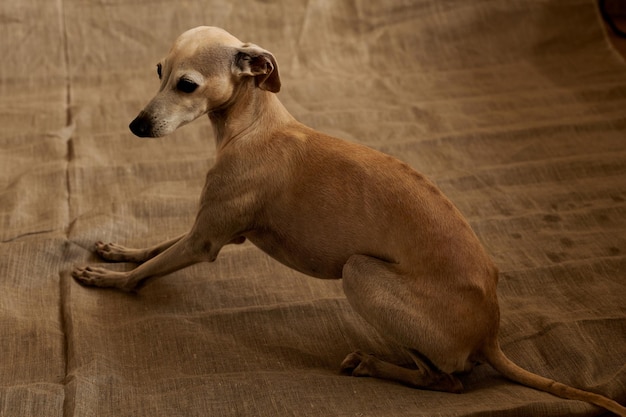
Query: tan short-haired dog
{"x": 411, "y": 265}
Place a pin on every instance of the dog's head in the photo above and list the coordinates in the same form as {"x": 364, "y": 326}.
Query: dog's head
{"x": 199, "y": 75}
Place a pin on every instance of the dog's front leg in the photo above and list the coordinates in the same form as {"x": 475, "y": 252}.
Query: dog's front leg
{"x": 185, "y": 252}
{"x": 118, "y": 253}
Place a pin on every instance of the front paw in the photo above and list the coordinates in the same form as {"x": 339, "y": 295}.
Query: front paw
{"x": 111, "y": 251}
{"x": 100, "y": 277}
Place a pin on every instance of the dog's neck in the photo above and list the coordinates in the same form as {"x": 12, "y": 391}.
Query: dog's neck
{"x": 251, "y": 110}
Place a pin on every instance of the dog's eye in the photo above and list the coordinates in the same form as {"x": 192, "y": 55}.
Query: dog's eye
{"x": 186, "y": 86}
{"x": 159, "y": 69}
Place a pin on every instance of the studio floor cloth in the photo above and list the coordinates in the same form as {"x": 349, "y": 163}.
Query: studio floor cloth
{"x": 516, "y": 110}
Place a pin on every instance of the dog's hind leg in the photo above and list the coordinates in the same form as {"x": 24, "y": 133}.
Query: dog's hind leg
{"x": 386, "y": 298}
{"x": 424, "y": 377}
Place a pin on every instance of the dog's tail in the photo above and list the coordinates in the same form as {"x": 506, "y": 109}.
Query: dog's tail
{"x": 494, "y": 356}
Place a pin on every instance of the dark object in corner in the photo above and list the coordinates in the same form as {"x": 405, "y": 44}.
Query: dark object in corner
{"x": 607, "y": 15}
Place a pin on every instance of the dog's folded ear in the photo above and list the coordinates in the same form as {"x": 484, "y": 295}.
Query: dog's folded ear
{"x": 254, "y": 61}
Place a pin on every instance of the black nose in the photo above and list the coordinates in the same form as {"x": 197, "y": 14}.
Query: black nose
{"x": 141, "y": 126}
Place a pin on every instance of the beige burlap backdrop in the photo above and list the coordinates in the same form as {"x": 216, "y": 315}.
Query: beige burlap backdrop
{"x": 516, "y": 109}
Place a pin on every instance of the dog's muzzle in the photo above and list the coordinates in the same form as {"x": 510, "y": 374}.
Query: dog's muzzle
{"x": 141, "y": 126}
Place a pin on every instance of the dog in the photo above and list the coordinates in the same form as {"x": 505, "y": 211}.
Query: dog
{"x": 410, "y": 263}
